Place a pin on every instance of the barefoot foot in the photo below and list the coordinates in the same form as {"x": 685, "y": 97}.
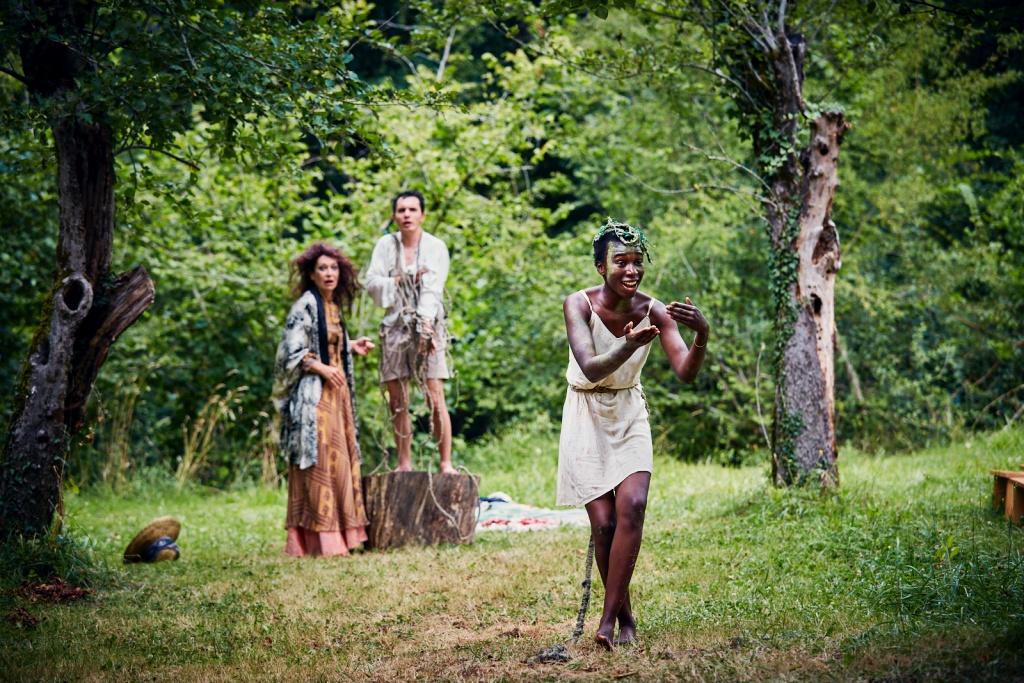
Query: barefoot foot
{"x": 627, "y": 633}
{"x": 604, "y": 639}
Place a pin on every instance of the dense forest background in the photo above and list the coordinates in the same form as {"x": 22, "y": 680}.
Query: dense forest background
{"x": 524, "y": 134}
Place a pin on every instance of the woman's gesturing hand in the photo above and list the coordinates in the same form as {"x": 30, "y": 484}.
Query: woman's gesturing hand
{"x": 688, "y": 315}
{"x": 640, "y": 336}
{"x": 362, "y": 346}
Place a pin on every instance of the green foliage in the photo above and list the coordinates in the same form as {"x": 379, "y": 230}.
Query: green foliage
{"x": 27, "y": 201}
{"x": 654, "y": 149}
{"x": 928, "y": 301}
{"x": 598, "y": 7}
{"x": 217, "y": 241}
{"x": 146, "y": 67}
{"x": 212, "y": 241}
{"x": 929, "y": 113}
{"x": 193, "y": 81}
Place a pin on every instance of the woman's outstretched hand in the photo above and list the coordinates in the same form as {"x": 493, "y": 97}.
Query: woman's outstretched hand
{"x": 688, "y": 315}
{"x": 362, "y": 346}
{"x": 640, "y": 336}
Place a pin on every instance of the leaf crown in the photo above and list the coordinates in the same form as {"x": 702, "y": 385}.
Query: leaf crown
{"x": 629, "y": 235}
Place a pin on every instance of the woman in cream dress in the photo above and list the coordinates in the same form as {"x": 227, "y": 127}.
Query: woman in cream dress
{"x": 605, "y": 452}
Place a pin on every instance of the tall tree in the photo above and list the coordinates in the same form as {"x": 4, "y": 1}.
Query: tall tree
{"x": 103, "y": 79}
{"x": 764, "y": 56}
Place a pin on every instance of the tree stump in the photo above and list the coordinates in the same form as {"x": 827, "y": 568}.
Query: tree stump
{"x": 417, "y": 508}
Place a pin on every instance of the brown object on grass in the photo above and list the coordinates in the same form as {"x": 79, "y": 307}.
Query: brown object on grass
{"x": 19, "y": 617}
{"x": 417, "y": 508}
{"x": 58, "y": 591}
{"x": 1008, "y": 494}
{"x": 161, "y": 526}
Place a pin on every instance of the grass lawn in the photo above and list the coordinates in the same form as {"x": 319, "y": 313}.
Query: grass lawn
{"x": 906, "y": 573}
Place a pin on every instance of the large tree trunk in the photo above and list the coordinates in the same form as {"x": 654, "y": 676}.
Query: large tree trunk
{"x": 805, "y": 258}
{"x": 808, "y": 358}
{"x": 88, "y": 311}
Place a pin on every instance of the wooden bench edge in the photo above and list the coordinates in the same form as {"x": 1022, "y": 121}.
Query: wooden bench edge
{"x": 1008, "y": 474}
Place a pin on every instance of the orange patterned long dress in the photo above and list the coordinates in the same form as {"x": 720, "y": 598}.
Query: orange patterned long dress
{"x": 325, "y": 502}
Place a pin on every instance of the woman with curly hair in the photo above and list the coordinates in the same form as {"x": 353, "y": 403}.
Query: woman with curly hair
{"x": 313, "y": 393}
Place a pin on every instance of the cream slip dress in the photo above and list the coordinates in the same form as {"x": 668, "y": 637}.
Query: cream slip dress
{"x": 606, "y": 435}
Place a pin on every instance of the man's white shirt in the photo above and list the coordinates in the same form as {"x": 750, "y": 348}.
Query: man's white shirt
{"x": 380, "y": 278}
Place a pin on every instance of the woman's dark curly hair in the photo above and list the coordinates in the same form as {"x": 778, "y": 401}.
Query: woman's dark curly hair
{"x": 302, "y": 267}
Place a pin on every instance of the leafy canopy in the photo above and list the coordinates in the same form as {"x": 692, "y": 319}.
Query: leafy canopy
{"x": 143, "y": 68}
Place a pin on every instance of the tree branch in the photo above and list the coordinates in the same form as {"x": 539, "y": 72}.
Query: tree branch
{"x": 188, "y": 53}
{"x": 201, "y": 31}
{"x": 698, "y": 187}
{"x": 996, "y": 400}
{"x": 394, "y": 52}
{"x": 387, "y": 23}
{"x": 940, "y": 8}
{"x": 14, "y": 74}
{"x": 662, "y": 14}
{"x": 444, "y": 55}
{"x": 717, "y": 73}
{"x": 191, "y": 164}
{"x": 813, "y": 38}
{"x": 732, "y": 162}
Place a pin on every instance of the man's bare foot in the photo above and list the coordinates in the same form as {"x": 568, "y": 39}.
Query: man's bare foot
{"x": 603, "y": 637}
{"x": 627, "y": 630}
{"x": 403, "y": 468}
{"x": 448, "y": 469}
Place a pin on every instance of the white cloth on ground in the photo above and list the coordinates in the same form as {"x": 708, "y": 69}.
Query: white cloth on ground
{"x": 498, "y": 512}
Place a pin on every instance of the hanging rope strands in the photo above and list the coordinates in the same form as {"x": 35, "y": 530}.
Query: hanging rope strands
{"x": 581, "y": 616}
{"x": 629, "y": 235}
{"x": 558, "y": 652}
{"x": 412, "y": 338}
{"x": 407, "y": 331}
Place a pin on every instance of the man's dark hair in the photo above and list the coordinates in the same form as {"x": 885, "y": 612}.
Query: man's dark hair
{"x": 409, "y": 193}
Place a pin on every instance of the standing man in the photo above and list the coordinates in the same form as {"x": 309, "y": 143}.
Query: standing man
{"x": 406, "y": 276}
